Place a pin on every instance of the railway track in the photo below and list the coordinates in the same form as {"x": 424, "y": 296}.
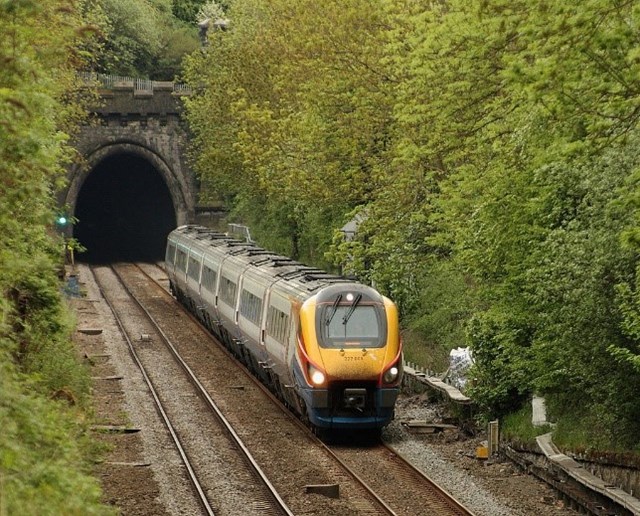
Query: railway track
{"x": 262, "y": 497}
{"x": 382, "y": 468}
{"x": 355, "y": 459}
{"x": 397, "y": 486}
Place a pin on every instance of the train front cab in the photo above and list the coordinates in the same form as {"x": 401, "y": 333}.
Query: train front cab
{"x": 348, "y": 374}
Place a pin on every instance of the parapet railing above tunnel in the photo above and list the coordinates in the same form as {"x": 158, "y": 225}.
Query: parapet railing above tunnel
{"x": 114, "y": 82}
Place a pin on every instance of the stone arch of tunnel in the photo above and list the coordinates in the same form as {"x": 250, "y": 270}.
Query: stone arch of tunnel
{"x": 124, "y": 207}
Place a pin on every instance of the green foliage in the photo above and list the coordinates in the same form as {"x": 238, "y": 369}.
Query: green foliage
{"x": 43, "y": 449}
{"x": 211, "y": 10}
{"x": 175, "y": 45}
{"x": 141, "y": 38}
{"x": 271, "y": 130}
{"x": 628, "y": 293}
{"x": 445, "y": 303}
{"x": 518, "y": 427}
{"x": 43, "y": 328}
{"x": 501, "y": 379}
{"x": 133, "y": 38}
{"x": 489, "y": 152}
{"x": 187, "y": 10}
{"x": 418, "y": 351}
{"x": 43, "y": 468}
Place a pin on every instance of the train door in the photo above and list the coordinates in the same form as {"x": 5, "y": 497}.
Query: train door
{"x": 182, "y": 252}
{"x": 250, "y": 308}
{"x": 277, "y": 330}
{"x": 227, "y": 299}
{"x": 208, "y": 287}
{"x": 194, "y": 267}
{"x": 251, "y": 302}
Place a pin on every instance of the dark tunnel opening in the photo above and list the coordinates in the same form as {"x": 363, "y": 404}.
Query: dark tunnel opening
{"x": 124, "y": 211}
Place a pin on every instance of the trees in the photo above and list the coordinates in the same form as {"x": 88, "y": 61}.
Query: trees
{"x": 141, "y": 38}
{"x": 532, "y": 136}
{"x": 188, "y": 10}
{"x": 488, "y": 150}
{"x": 290, "y": 124}
{"x": 42, "y": 456}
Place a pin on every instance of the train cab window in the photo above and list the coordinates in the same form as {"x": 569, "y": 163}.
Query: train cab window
{"x": 227, "y": 291}
{"x": 194, "y": 268}
{"x": 362, "y": 326}
{"x": 277, "y": 324}
{"x": 250, "y": 306}
{"x": 181, "y": 260}
{"x": 171, "y": 254}
{"x": 209, "y": 279}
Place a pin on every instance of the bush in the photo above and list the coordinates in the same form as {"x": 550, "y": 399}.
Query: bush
{"x": 44, "y": 467}
{"x": 500, "y": 378}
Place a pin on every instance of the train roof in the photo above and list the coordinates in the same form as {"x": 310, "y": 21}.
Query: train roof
{"x": 295, "y": 273}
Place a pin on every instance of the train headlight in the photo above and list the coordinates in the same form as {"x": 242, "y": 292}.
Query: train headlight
{"x": 317, "y": 376}
{"x": 391, "y": 374}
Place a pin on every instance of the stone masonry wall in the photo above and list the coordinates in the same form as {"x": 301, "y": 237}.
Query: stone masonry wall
{"x": 142, "y": 122}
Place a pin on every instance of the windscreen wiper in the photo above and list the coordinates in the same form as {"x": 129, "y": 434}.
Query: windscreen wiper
{"x": 334, "y": 309}
{"x": 351, "y": 309}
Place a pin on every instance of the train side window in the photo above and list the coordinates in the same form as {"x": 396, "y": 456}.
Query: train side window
{"x": 194, "y": 268}
{"x": 284, "y": 326}
{"x": 209, "y": 279}
{"x": 277, "y": 324}
{"x": 250, "y": 306}
{"x": 181, "y": 260}
{"x": 227, "y": 291}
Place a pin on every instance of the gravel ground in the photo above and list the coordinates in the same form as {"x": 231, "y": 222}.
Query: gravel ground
{"x": 140, "y": 469}
{"x": 221, "y": 470}
{"x": 488, "y": 487}
{"x": 157, "y": 485}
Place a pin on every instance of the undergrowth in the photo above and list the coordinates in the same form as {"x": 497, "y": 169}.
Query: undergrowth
{"x": 46, "y": 453}
{"x": 417, "y": 351}
{"x": 518, "y": 427}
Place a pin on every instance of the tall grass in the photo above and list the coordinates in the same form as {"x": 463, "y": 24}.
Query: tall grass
{"x": 518, "y": 427}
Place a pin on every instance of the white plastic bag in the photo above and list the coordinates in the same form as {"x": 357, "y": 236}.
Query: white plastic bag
{"x": 460, "y": 360}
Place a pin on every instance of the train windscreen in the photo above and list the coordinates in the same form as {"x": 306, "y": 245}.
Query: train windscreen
{"x": 361, "y": 326}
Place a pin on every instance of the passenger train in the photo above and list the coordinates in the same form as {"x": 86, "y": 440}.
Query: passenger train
{"x": 327, "y": 346}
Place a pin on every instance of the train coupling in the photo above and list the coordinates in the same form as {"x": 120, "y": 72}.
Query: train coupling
{"x": 354, "y": 398}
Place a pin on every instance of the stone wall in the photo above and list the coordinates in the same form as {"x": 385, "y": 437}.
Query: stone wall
{"x": 145, "y": 122}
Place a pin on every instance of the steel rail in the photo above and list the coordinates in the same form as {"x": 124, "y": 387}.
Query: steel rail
{"x": 208, "y": 400}
{"x": 456, "y": 505}
{"x": 386, "y": 507}
{"x": 193, "y": 478}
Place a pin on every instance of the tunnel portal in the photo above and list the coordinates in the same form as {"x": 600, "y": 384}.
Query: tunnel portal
{"x": 124, "y": 211}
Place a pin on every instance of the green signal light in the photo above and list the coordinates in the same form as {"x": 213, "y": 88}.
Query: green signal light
{"x": 62, "y": 220}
